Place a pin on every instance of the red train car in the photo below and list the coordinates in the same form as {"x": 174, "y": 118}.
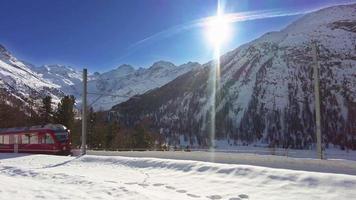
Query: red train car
{"x": 47, "y": 139}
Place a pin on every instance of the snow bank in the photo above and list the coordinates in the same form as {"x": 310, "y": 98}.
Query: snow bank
{"x": 112, "y": 177}
{"x": 305, "y": 164}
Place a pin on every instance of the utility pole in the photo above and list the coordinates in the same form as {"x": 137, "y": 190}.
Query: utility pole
{"x": 317, "y": 100}
{"x": 84, "y": 112}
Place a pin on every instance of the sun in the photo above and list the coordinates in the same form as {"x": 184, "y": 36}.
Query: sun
{"x": 217, "y": 30}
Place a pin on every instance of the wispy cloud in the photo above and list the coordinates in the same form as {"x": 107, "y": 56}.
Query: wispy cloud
{"x": 230, "y": 17}
{"x": 199, "y": 23}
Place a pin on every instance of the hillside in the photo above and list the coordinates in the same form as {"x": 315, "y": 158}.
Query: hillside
{"x": 265, "y": 93}
{"x": 19, "y": 81}
{"x": 114, "y": 86}
{"x": 30, "y": 83}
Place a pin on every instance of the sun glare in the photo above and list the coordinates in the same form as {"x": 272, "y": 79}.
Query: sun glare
{"x": 217, "y": 30}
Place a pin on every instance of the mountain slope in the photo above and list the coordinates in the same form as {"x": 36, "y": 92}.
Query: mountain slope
{"x": 124, "y": 82}
{"x": 18, "y": 80}
{"x": 68, "y": 79}
{"x": 265, "y": 91}
{"x": 23, "y": 80}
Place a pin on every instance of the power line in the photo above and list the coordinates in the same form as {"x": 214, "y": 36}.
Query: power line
{"x": 112, "y": 95}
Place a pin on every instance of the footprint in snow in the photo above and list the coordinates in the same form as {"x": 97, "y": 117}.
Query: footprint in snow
{"x": 181, "y": 191}
{"x": 193, "y": 195}
{"x": 131, "y": 183}
{"x": 214, "y": 197}
{"x": 123, "y": 189}
{"x": 158, "y": 184}
{"x": 110, "y": 181}
{"x": 243, "y": 196}
{"x": 170, "y": 187}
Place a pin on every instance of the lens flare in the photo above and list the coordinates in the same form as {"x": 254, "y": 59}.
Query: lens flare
{"x": 218, "y": 30}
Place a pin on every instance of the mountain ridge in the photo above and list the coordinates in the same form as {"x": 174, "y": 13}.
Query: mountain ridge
{"x": 23, "y": 79}
{"x": 265, "y": 91}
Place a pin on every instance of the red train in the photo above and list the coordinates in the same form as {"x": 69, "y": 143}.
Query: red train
{"x": 47, "y": 139}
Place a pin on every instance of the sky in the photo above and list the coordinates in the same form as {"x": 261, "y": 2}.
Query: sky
{"x": 103, "y": 34}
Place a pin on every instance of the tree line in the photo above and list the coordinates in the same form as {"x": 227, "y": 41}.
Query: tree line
{"x": 102, "y": 133}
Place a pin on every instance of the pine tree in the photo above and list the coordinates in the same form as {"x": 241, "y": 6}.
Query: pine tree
{"x": 111, "y": 130}
{"x": 91, "y": 121}
{"x": 46, "y": 110}
{"x": 141, "y": 138}
{"x": 65, "y": 112}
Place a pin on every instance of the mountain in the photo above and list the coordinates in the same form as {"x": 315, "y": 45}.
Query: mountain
{"x": 24, "y": 80}
{"x": 19, "y": 81}
{"x": 69, "y": 80}
{"x": 265, "y": 92}
{"x": 120, "y": 84}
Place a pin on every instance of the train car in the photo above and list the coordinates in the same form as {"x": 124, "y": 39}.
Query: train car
{"x": 46, "y": 139}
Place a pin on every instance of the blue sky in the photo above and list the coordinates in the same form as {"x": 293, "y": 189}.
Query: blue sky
{"x": 101, "y": 34}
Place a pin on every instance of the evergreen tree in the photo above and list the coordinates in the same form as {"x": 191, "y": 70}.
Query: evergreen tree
{"x": 76, "y": 131}
{"x": 112, "y": 130}
{"x": 46, "y": 110}
{"x": 91, "y": 121}
{"x": 141, "y": 138}
{"x": 65, "y": 112}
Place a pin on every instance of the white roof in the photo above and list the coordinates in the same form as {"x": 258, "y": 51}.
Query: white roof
{"x": 46, "y": 126}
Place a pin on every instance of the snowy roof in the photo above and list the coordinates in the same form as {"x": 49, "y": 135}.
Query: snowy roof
{"x": 39, "y": 127}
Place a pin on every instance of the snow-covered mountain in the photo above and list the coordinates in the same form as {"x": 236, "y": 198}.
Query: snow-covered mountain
{"x": 115, "y": 86}
{"x": 25, "y": 80}
{"x": 265, "y": 92}
{"x": 69, "y": 80}
{"x": 18, "y": 80}
{"x": 120, "y": 84}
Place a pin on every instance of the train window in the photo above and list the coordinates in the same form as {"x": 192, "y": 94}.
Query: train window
{"x": 48, "y": 139}
{"x": 62, "y": 137}
{"x": 41, "y": 139}
{"x": 1, "y": 139}
{"x": 16, "y": 139}
{"x": 25, "y": 139}
{"x": 6, "y": 139}
{"x": 34, "y": 139}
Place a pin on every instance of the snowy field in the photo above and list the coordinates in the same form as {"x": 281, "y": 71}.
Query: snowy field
{"x": 332, "y": 165}
{"x": 113, "y": 177}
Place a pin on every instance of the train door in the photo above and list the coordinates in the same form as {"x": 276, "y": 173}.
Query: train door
{"x": 33, "y": 143}
{"x": 47, "y": 142}
{"x": 6, "y": 143}
{"x": 24, "y": 144}
{"x": 16, "y": 143}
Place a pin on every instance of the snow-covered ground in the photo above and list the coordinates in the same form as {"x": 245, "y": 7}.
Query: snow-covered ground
{"x": 336, "y": 165}
{"x": 333, "y": 152}
{"x": 112, "y": 177}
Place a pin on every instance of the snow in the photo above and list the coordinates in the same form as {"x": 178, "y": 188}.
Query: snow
{"x": 113, "y": 177}
{"x": 117, "y": 85}
{"x": 22, "y": 75}
{"x": 68, "y": 79}
{"x": 120, "y": 83}
{"x": 22, "y": 81}
{"x": 125, "y": 82}
{"x": 337, "y": 164}
{"x": 333, "y": 152}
